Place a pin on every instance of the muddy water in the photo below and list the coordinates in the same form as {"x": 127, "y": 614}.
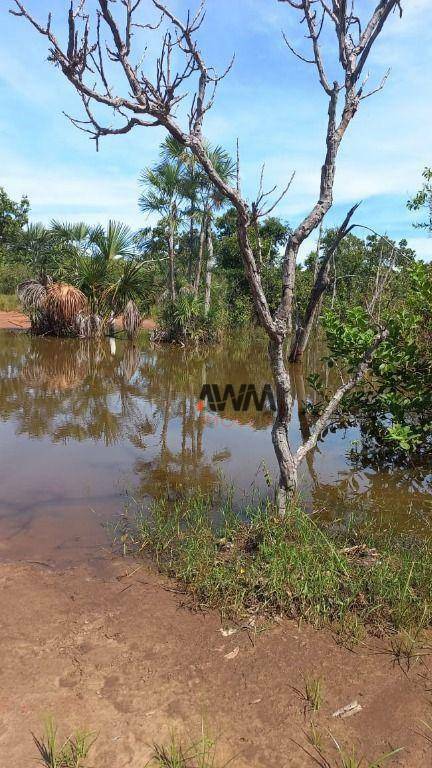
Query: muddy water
{"x": 82, "y": 424}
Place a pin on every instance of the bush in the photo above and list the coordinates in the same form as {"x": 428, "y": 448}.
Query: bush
{"x": 8, "y": 302}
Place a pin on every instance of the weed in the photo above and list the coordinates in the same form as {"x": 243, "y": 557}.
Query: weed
{"x": 315, "y": 738}
{"x": 8, "y": 302}
{"x": 199, "y": 754}
{"x": 345, "y": 758}
{"x": 351, "y": 760}
{"x": 313, "y": 692}
{"x": 407, "y": 647}
{"x": 426, "y": 733}
{"x": 297, "y": 567}
{"x": 72, "y": 753}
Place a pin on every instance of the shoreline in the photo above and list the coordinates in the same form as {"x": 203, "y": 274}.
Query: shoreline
{"x": 13, "y": 320}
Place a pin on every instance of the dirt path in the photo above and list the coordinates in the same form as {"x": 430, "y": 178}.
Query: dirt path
{"x": 123, "y": 657}
{"x": 15, "y": 320}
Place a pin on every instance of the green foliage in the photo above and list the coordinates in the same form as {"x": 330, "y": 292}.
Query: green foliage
{"x": 273, "y": 234}
{"x": 395, "y": 401}
{"x": 176, "y": 754}
{"x": 183, "y": 320}
{"x": 353, "y": 271}
{"x": 162, "y": 191}
{"x": 11, "y": 275}
{"x": 181, "y": 194}
{"x": 423, "y": 200}
{"x": 13, "y": 219}
{"x": 297, "y": 566}
{"x": 8, "y": 302}
{"x": 108, "y": 284}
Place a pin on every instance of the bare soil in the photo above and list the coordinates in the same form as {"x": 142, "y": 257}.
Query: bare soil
{"x": 122, "y": 655}
{"x": 15, "y": 320}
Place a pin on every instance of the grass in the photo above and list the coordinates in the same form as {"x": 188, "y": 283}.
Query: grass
{"x": 407, "y": 648}
{"x": 313, "y": 692}
{"x": 350, "y": 758}
{"x": 349, "y": 577}
{"x": 199, "y": 754}
{"x": 74, "y": 752}
{"x": 71, "y": 753}
{"x": 8, "y": 301}
{"x": 343, "y": 758}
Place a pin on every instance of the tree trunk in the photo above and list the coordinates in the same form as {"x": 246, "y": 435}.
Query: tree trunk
{"x": 321, "y": 283}
{"x": 191, "y": 245}
{"x": 202, "y": 237}
{"x": 313, "y": 308}
{"x": 171, "y": 257}
{"x": 287, "y": 484}
{"x": 209, "y": 269}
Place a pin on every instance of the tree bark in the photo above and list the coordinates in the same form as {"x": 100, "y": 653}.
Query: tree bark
{"x": 287, "y": 484}
{"x": 303, "y": 331}
{"x": 171, "y": 257}
{"x": 191, "y": 246}
{"x": 202, "y": 238}
{"x": 319, "y": 287}
{"x": 209, "y": 269}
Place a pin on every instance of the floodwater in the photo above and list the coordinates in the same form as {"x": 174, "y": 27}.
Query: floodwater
{"x": 83, "y": 425}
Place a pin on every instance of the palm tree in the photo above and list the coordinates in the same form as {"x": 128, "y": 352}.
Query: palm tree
{"x": 99, "y": 279}
{"x": 162, "y": 194}
{"x": 204, "y": 201}
{"x": 191, "y": 181}
{"x": 114, "y": 242}
{"x": 37, "y": 245}
{"x": 211, "y": 202}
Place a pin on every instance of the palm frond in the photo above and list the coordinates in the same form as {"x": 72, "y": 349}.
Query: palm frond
{"x": 116, "y": 242}
{"x": 32, "y": 295}
{"x": 63, "y": 304}
{"x": 72, "y": 232}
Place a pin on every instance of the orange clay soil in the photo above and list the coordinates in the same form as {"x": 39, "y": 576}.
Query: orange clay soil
{"x": 15, "y": 320}
{"x": 122, "y": 655}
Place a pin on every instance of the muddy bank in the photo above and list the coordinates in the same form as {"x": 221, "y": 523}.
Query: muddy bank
{"x": 121, "y": 655}
{"x": 15, "y": 320}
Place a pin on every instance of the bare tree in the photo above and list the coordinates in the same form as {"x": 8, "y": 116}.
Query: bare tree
{"x": 86, "y": 59}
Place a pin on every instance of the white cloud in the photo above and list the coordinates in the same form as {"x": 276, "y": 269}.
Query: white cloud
{"x": 73, "y": 192}
{"x": 422, "y": 247}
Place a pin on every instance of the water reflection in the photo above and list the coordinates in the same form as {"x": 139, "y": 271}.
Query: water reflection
{"x": 126, "y": 415}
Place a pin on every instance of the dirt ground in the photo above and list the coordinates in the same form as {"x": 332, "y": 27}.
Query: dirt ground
{"x": 123, "y": 656}
{"x": 15, "y": 320}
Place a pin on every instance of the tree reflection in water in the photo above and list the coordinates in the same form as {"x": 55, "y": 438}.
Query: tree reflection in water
{"x": 134, "y": 395}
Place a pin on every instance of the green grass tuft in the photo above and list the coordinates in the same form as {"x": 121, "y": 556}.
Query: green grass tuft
{"x": 350, "y": 577}
{"x": 175, "y": 754}
{"x": 72, "y": 753}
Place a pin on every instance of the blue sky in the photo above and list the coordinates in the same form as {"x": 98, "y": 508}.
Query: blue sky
{"x": 270, "y": 100}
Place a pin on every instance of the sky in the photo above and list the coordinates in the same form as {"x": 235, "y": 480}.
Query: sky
{"x": 270, "y": 101}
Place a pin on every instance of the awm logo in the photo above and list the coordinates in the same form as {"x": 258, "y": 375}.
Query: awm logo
{"x": 241, "y": 401}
